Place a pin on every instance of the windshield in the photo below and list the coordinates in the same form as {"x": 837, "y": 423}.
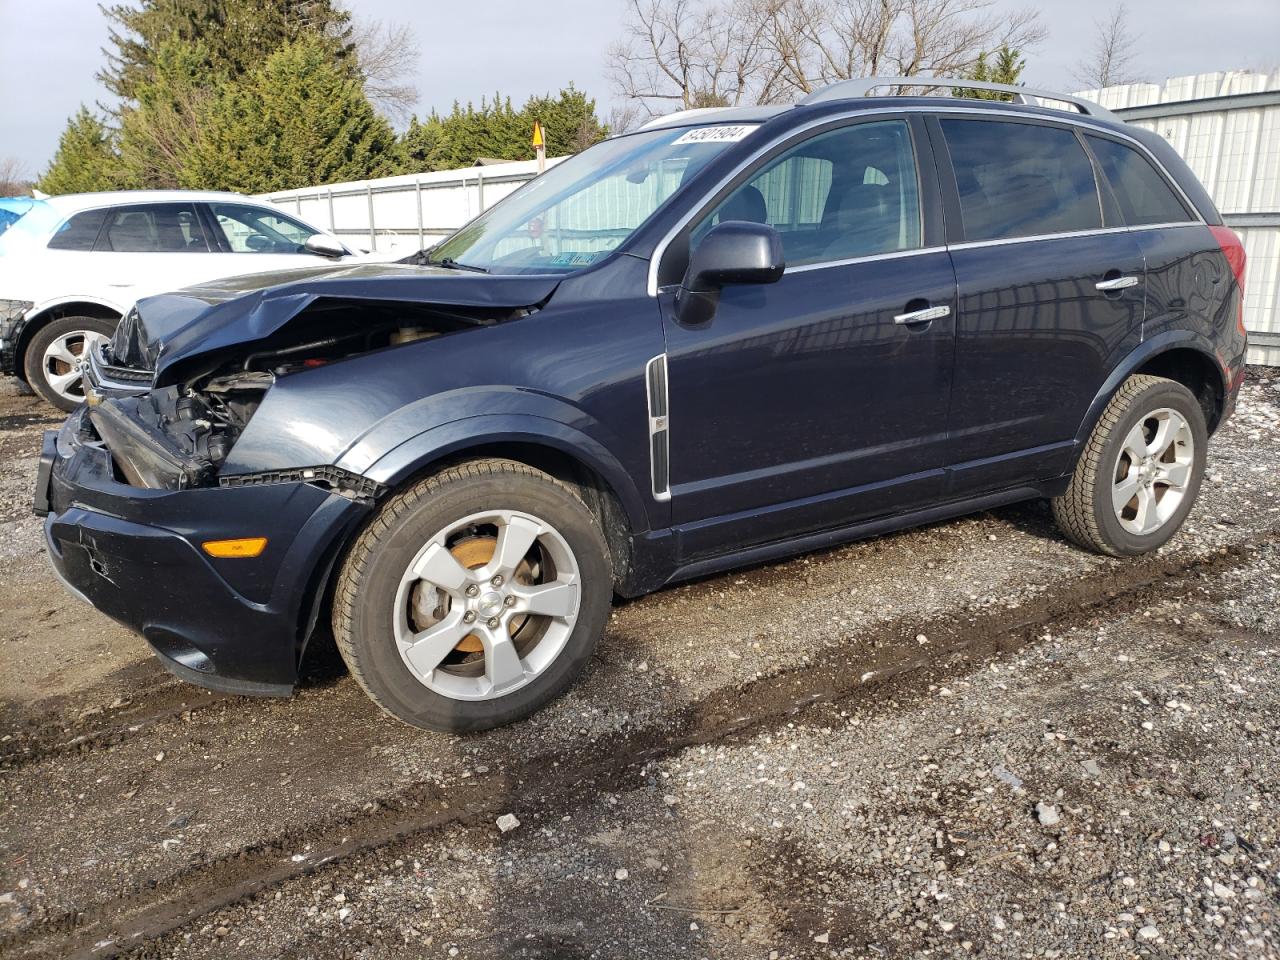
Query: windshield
{"x": 583, "y": 209}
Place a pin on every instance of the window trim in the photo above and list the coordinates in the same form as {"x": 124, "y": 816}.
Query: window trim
{"x": 927, "y": 113}
{"x": 752, "y": 166}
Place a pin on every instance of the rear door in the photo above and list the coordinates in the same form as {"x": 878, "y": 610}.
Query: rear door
{"x": 816, "y": 401}
{"x": 1051, "y": 290}
{"x": 1187, "y": 279}
{"x": 142, "y": 249}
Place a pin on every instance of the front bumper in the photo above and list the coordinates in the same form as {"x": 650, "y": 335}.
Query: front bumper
{"x": 134, "y": 553}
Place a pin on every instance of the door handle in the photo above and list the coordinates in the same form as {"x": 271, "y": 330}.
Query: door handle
{"x": 1117, "y": 283}
{"x": 923, "y": 316}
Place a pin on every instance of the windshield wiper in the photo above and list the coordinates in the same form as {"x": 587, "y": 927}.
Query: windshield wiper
{"x": 451, "y": 264}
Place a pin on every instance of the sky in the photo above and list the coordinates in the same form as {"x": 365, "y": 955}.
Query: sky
{"x": 50, "y": 50}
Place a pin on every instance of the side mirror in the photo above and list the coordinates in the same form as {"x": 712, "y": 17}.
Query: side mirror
{"x": 732, "y": 252}
{"x": 736, "y": 251}
{"x": 323, "y": 245}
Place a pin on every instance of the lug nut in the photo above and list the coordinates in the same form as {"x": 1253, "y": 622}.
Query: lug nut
{"x": 497, "y": 581}
{"x": 493, "y": 622}
{"x": 510, "y": 601}
{"x": 469, "y": 617}
{"x": 472, "y": 590}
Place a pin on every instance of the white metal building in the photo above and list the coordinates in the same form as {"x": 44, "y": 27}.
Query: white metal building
{"x": 1226, "y": 125}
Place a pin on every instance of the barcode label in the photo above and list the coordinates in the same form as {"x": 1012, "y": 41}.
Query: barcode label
{"x": 718, "y": 134}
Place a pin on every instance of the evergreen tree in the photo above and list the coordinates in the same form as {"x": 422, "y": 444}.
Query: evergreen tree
{"x": 569, "y": 121}
{"x": 298, "y": 120}
{"x": 496, "y": 130}
{"x": 235, "y": 36}
{"x": 423, "y": 145}
{"x": 86, "y": 159}
{"x": 1006, "y": 67}
{"x": 161, "y": 130}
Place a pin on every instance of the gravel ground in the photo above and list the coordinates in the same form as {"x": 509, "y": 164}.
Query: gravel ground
{"x": 969, "y": 739}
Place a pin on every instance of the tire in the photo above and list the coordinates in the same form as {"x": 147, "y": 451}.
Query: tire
{"x": 400, "y": 600}
{"x": 1127, "y": 452}
{"x": 52, "y": 355}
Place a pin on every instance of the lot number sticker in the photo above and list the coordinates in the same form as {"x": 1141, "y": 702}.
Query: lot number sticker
{"x": 718, "y": 134}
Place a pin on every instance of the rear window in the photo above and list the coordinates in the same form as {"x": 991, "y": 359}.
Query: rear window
{"x": 79, "y": 232}
{"x": 1021, "y": 179}
{"x": 1143, "y": 194}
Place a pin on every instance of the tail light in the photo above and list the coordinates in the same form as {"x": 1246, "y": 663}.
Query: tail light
{"x": 1233, "y": 250}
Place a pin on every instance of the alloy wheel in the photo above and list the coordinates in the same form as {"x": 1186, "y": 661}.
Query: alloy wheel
{"x": 1153, "y": 471}
{"x": 66, "y": 359}
{"x": 487, "y": 605}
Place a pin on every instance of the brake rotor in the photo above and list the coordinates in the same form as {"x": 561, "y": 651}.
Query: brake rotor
{"x": 473, "y": 553}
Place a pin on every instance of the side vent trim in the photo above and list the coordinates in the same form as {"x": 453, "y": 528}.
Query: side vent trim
{"x": 655, "y": 378}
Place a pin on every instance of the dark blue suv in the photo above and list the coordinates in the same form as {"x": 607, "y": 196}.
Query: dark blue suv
{"x": 729, "y": 336}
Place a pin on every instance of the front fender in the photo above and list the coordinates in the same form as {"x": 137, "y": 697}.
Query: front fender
{"x": 1141, "y": 354}
{"x": 455, "y": 437}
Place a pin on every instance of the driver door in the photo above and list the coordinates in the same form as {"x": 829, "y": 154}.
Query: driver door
{"x": 814, "y": 402}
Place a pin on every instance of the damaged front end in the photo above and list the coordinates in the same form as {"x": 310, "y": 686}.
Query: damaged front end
{"x": 171, "y": 419}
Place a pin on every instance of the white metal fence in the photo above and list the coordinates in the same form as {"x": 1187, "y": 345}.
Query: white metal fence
{"x": 406, "y": 213}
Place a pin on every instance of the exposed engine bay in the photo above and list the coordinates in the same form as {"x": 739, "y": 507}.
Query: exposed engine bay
{"x": 177, "y": 437}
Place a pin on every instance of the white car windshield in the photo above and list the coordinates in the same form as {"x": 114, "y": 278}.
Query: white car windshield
{"x": 583, "y": 209}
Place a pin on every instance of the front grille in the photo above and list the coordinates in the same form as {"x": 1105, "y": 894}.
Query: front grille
{"x": 126, "y": 374}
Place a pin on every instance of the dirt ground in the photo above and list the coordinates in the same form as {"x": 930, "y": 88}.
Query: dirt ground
{"x": 970, "y": 739}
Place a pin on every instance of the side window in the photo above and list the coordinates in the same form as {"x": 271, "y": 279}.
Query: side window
{"x": 259, "y": 230}
{"x": 79, "y": 232}
{"x": 153, "y": 228}
{"x": 1143, "y": 194}
{"x": 1021, "y": 179}
{"x": 848, "y": 193}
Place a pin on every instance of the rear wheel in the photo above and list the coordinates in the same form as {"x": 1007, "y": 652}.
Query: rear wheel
{"x": 474, "y": 597}
{"x": 1140, "y": 472}
{"x": 58, "y": 356}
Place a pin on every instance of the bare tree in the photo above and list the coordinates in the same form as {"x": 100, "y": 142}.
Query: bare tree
{"x": 624, "y": 117}
{"x": 1111, "y": 63}
{"x": 723, "y": 52}
{"x": 15, "y": 179}
{"x": 388, "y": 54}
{"x": 689, "y": 54}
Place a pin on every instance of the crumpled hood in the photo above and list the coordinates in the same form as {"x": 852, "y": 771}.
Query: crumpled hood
{"x": 169, "y": 331}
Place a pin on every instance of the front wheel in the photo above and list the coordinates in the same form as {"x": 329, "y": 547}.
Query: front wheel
{"x": 58, "y": 355}
{"x": 474, "y": 597}
{"x": 1140, "y": 472}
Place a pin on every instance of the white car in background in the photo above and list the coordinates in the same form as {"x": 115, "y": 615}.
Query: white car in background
{"x": 71, "y": 266}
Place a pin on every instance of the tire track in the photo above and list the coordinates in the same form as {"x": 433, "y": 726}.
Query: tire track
{"x": 563, "y": 779}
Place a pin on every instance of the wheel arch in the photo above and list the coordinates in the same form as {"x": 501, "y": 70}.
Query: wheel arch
{"x": 1179, "y": 355}
{"x": 47, "y": 313}
{"x": 597, "y": 483}
{"x": 585, "y": 462}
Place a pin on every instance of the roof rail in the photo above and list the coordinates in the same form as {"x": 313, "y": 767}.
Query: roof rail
{"x": 862, "y": 87}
